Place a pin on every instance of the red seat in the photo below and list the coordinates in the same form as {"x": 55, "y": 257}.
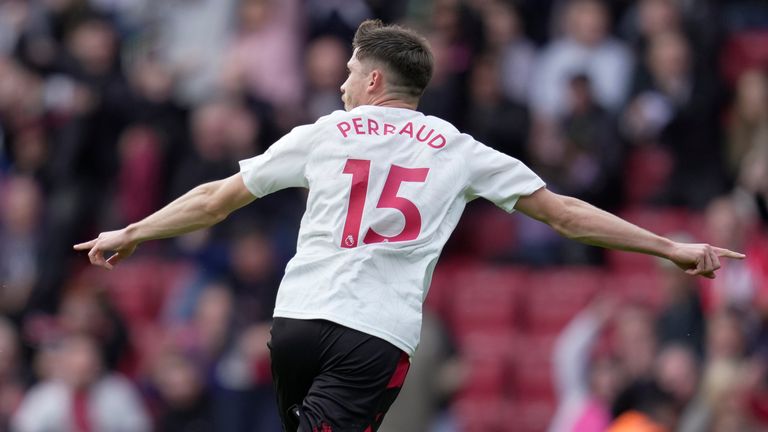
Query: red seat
{"x": 441, "y": 290}
{"x": 486, "y": 298}
{"x": 140, "y": 287}
{"x": 488, "y": 355}
{"x": 494, "y": 232}
{"x": 553, "y": 297}
{"x": 637, "y": 286}
{"x": 532, "y": 361}
{"x": 744, "y": 50}
{"x": 528, "y": 415}
{"x": 647, "y": 172}
{"x": 479, "y": 414}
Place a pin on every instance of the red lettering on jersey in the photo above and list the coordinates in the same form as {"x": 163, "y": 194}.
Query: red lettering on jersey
{"x": 344, "y": 128}
{"x": 407, "y": 129}
{"x": 389, "y": 129}
{"x": 437, "y": 142}
{"x": 421, "y": 129}
{"x": 358, "y": 122}
{"x": 373, "y": 127}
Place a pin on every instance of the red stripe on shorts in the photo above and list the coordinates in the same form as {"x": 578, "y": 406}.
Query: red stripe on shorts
{"x": 398, "y": 378}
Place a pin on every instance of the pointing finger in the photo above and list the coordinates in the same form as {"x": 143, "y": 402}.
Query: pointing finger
{"x": 85, "y": 246}
{"x": 728, "y": 253}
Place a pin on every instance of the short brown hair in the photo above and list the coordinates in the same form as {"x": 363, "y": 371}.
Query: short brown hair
{"x": 404, "y": 53}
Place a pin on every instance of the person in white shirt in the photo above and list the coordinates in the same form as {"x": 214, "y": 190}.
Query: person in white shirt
{"x": 387, "y": 186}
{"x": 81, "y": 396}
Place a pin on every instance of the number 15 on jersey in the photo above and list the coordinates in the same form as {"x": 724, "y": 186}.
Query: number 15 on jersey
{"x": 360, "y": 170}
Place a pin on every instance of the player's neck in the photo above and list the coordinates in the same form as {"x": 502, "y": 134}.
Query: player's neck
{"x": 393, "y": 102}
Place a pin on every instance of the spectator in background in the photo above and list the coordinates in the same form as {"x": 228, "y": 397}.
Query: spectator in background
{"x": 244, "y": 398}
{"x": 434, "y": 376}
{"x": 185, "y": 403}
{"x": 80, "y": 396}
{"x": 677, "y": 372}
{"x": 30, "y": 151}
{"x": 324, "y": 62}
{"x": 649, "y": 18}
{"x": 506, "y": 41}
{"x": 153, "y": 106}
{"x": 222, "y": 132}
{"x": 724, "y": 369}
{"x": 492, "y": 118}
{"x": 13, "y": 376}
{"x": 753, "y": 181}
{"x": 443, "y": 96}
{"x": 748, "y": 126}
{"x": 680, "y": 318}
{"x": 584, "y": 47}
{"x": 253, "y": 276}
{"x": 338, "y": 18}
{"x": 139, "y": 180}
{"x": 739, "y": 286}
{"x": 88, "y": 312}
{"x": 19, "y": 242}
{"x": 456, "y": 39}
{"x": 676, "y": 108}
{"x": 267, "y": 45}
{"x": 644, "y": 407}
{"x": 591, "y": 161}
{"x": 747, "y": 145}
{"x": 204, "y": 335}
{"x": 636, "y": 343}
{"x": 578, "y": 153}
{"x": 586, "y": 384}
{"x": 193, "y": 38}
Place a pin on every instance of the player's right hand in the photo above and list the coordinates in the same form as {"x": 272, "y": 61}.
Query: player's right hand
{"x": 110, "y": 241}
{"x": 701, "y": 259}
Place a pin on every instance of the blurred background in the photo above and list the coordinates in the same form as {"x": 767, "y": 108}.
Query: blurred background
{"x": 654, "y": 109}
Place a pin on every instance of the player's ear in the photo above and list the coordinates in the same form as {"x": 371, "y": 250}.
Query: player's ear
{"x": 375, "y": 81}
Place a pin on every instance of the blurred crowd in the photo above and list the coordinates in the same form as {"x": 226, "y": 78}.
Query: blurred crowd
{"x": 655, "y": 109}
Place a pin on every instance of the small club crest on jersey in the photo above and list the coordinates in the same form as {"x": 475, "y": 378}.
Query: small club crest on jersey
{"x": 350, "y": 241}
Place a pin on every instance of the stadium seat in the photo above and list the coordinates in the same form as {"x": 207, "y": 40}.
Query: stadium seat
{"x": 486, "y": 298}
{"x": 488, "y": 355}
{"x": 475, "y": 414}
{"x": 553, "y": 297}
{"x": 647, "y": 172}
{"x": 441, "y": 289}
{"x": 494, "y": 232}
{"x": 528, "y": 415}
{"x": 636, "y": 286}
{"x": 744, "y": 50}
{"x": 532, "y": 361}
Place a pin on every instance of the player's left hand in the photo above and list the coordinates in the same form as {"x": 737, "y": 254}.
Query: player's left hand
{"x": 110, "y": 241}
{"x": 701, "y": 259}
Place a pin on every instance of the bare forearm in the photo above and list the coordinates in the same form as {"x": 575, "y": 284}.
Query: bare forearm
{"x": 588, "y": 224}
{"x": 190, "y": 212}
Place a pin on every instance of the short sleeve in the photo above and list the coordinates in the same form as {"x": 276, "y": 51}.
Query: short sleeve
{"x": 282, "y": 166}
{"x": 499, "y": 178}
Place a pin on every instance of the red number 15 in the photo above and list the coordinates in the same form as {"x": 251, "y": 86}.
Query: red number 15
{"x": 360, "y": 170}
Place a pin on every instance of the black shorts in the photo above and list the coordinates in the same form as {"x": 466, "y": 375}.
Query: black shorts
{"x": 330, "y": 378}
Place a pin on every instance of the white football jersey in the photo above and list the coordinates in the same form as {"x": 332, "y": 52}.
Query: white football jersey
{"x": 387, "y": 186}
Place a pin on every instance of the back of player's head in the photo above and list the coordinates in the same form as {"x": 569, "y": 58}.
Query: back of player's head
{"x": 402, "y": 52}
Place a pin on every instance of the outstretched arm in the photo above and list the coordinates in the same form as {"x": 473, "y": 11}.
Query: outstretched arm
{"x": 577, "y": 220}
{"x": 201, "y": 207}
